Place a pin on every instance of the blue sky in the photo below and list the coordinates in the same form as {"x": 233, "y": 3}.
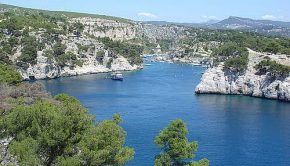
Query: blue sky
{"x": 169, "y": 10}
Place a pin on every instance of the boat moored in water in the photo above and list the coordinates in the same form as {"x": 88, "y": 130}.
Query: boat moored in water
{"x": 117, "y": 76}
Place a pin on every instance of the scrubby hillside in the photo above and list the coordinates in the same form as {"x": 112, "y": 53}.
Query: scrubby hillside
{"x": 42, "y": 44}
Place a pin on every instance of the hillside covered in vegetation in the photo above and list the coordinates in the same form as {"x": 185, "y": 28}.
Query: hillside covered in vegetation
{"x": 45, "y": 44}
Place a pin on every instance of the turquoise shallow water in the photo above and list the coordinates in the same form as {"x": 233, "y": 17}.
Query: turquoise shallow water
{"x": 230, "y": 130}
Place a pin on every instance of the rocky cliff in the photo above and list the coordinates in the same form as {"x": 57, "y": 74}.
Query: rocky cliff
{"x": 216, "y": 80}
{"x": 96, "y": 59}
{"x": 74, "y": 46}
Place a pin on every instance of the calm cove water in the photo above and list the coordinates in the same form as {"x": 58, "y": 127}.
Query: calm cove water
{"x": 230, "y": 130}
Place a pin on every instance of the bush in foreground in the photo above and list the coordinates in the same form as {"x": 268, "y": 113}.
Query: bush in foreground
{"x": 59, "y": 131}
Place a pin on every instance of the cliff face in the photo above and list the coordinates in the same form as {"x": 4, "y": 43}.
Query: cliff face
{"x": 95, "y": 56}
{"x": 45, "y": 68}
{"x": 217, "y": 81}
{"x": 115, "y": 30}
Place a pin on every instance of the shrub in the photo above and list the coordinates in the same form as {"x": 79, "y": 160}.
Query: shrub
{"x": 109, "y": 64}
{"x": 4, "y": 58}
{"x": 275, "y": 69}
{"x": 59, "y": 49}
{"x": 83, "y": 48}
{"x": 100, "y": 56}
{"x": 9, "y": 75}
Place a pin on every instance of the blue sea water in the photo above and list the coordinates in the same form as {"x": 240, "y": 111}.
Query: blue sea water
{"x": 230, "y": 130}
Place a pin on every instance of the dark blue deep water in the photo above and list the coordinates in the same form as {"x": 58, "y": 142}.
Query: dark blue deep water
{"x": 230, "y": 130}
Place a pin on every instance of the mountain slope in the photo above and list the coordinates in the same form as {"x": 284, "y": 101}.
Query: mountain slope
{"x": 262, "y": 26}
{"x": 6, "y": 7}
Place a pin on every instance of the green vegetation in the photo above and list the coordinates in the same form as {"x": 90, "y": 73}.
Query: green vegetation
{"x": 77, "y": 28}
{"x": 100, "y": 56}
{"x": 59, "y": 131}
{"x": 275, "y": 69}
{"x": 237, "y": 64}
{"x": 176, "y": 150}
{"x": 15, "y": 22}
{"x": 68, "y": 58}
{"x": 130, "y": 51}
{"x": 29, "y": 50}
{"x": 250, "y": 40}
{"x": 83, "y": 48}
{"x": 229, "y": 49}
{"x": 9, "y": 75}
{"x": 234, "y": 56}
{"x": 4, "y": 58}
{"x": 165, "y": 44}
{"x": 60, "y": 14}
{"x": 58, "y": 49}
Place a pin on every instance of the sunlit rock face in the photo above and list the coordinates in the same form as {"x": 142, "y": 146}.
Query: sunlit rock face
{"x": 216, "y": 80}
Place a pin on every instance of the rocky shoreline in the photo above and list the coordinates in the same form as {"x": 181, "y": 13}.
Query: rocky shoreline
{"x": 45, "y": 70}
{"x": 216, "y": 81}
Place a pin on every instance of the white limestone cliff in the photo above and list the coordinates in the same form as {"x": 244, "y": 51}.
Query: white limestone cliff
{"x": 216, "y": 81}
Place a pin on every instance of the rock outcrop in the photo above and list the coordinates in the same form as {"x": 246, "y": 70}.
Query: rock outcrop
{"x": 5, "y": 157}
{"x": 216, "y": 80}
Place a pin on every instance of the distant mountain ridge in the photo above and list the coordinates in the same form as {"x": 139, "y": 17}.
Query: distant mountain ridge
{"x": 267, "y": 27}
{"x": 250, "y": 23}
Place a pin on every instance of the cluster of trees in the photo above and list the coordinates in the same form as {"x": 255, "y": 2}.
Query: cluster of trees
{"x": 251, "y": 40}
{"x": 29, "y": 51}
{"x": 234, "y": 56}
{"x": 61, "y": 132}
{"x": 8, "y": 46}
{"x": 130, "y": 51}
{"x": 61, "y": 57}
{"x": 275, "y": 69}
{"x": 14, "y": 22}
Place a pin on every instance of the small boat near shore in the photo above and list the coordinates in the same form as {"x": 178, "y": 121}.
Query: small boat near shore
{"x": 148, "y": 64}
{"x": 195, "y": 64}
{"x": 117, "y": 76}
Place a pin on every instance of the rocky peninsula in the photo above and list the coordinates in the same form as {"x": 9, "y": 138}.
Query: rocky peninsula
{"x": 217, "y": 81}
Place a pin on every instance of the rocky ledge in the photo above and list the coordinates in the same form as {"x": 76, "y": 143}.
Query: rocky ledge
{"x": 216, "y": 81}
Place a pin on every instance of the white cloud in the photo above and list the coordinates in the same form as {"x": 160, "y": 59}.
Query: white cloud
{"x": 271, "y": 17}
{"x": 146, "y": 14}
{"x": 210, "y": 17}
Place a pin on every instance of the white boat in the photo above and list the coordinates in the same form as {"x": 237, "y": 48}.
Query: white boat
{"x": 117, "y": 76}
{"x": 148, "y": 64}
{"x": 196, "y": 64}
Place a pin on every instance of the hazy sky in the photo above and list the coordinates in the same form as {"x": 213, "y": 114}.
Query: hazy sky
{"x": 169, "y": 10}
